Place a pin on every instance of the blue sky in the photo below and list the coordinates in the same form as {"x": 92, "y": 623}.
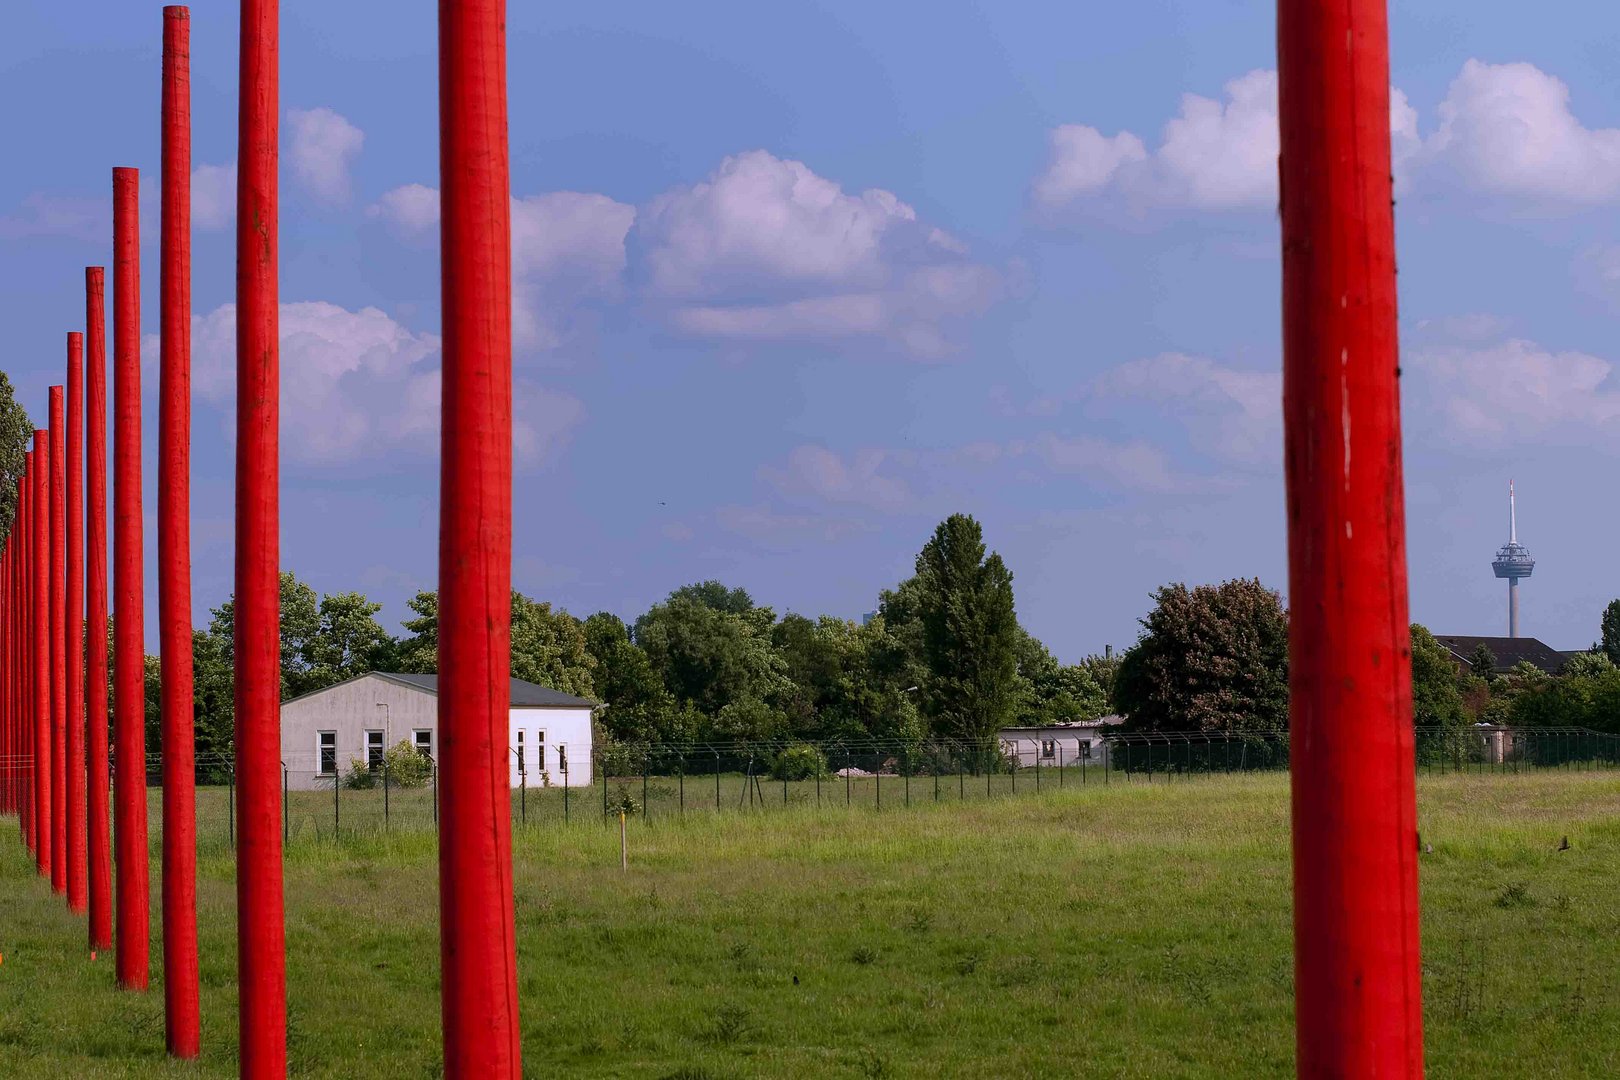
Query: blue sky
{"x": 796, "y": 281}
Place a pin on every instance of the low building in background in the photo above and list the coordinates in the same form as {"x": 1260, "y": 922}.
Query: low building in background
{"x": 322, "y": 733}
{"x": 1507, "y": 651}
{"x": 1053, "y": 745}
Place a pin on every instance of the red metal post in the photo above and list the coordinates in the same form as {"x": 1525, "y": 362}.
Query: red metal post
{"x": 477, "y": 948}
{"x": 97, "y": 810}
{"x": 57, "y": 598}
{"x": 180, "y": 989}
{"x": 40, "y": 558}
{"x": 23, "y": 531}
{"x": 1357, "y": 988}
{"x": 73, "y": 629}
{"x": 129, "y": 620}
{"x": 261, "y": 933}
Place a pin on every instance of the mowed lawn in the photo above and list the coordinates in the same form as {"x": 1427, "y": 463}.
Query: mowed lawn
{"x": 1126, "y": 930}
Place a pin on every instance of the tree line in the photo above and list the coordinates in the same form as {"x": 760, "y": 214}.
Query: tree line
{"x": 943, "y": 657}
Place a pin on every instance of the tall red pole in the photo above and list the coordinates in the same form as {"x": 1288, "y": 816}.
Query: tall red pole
{"x": 129, "y": 650}
{"x": 97, "y": 810}
{"x": 24, "y": 533}
{"x": 1357, "y": 987}
{"x": 180, "y": 990}
{"x": 261, "y": 933}
{"x": 478, "y": 951}
{"x": 57, "y": 567}
{"x": 73, "y": 629}
{"x": 40, "y": 558}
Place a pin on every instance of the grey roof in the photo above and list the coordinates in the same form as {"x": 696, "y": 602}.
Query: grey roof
{"x": 1507, "y": 650}
{"x": 524, "y": 694}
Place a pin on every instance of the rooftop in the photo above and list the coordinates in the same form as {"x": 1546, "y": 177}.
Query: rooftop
{"x": 524, "y": 694}
{"x": 1507, "y": 650}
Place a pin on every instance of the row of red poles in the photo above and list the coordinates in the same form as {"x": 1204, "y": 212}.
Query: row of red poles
{"x": 54, "y": 581}
{"x": 1354, "y": 820}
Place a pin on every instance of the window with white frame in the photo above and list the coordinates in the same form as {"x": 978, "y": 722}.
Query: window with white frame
{"x": 523, "y": 766}
{"x": 562, "y": 758}
{"x": 424, "y": 741}
{"x": 540, "y": 748}
{"x": 326, "y": 743}
{"x": 1048, "y": 748}
{"x": 374, "y": 749}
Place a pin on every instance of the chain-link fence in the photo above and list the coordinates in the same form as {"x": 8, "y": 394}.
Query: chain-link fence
{"x": 323, "y": 800}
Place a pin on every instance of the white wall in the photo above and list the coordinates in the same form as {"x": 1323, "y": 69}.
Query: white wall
{"x": 547, "y": 732}
{"x": 350, "y": 709}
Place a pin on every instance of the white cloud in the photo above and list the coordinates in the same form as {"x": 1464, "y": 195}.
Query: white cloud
{"x": 59, "y": 215}
{"x": 765, "y": 249}
{"x": 827, "y": 476}
{"x": 1234, "y": 415}
{"x": 413, "y": 208}
{"x": 213, "y": 196}
{"x": 1505, "y": 393}
{"x": 567, "y": 249}
{"x": 1508, "y": 129}
{"x": 1213, "y": 155}
{"x": 322, "y": 149}
{"x": 1136, "y": 466}
{"x": 356, "y": 385}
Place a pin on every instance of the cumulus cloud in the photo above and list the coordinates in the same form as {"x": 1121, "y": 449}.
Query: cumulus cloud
{"x": 1231, "y": 414}
{"x": 1213, "y": 155}
{"x": 1502, "y": 394}
{"x": 357, "y": 385}
{"x": 567, "y": 249}
{"x": 765, "y": 249}
{"x": 1134, "y": 465}
{"x": 322, "y": 149}
{"x": 1508, "y": 129}
{"x": 213, "y": 196}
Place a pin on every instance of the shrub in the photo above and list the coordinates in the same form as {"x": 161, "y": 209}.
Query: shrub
{"x": 407, "y": 767}
{"x": 359, "y": 777}
{"x": 802, "y": 762}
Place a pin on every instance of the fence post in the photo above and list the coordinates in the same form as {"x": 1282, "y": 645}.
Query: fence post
{"x": 680, "y": 763}
{"x": 387, "y": 821}
{"x": 562, "y": 760}
{"x": 1060, "y": 766}
{"x": 879, "y": 775}
{"x": 286, "y": 806}
{"x": 905, "y": 768}
{"x": 337, "y": 806}
{"x": 849, "y": 772}
{"x": 646, "y": 804}
{"x": 602, "y": 764}
{"x": 717, "y": 781}
{"x": 230, "y": 807}
{"x": 434, "y": 776}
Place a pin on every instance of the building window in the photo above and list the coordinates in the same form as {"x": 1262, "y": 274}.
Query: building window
{"x": 540, "y": 749}
{"x": 424, "y": 741}
{"x": 1048, "y": 748}
{"x": 374, "y": 750}
{"x": 562, "y": 758}
{"x": 328, "y": 751}
{"x": 522, "y": 765}
{"x": 1083, "y": 748}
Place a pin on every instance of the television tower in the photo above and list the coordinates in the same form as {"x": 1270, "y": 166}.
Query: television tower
{"x": 1513, "y": 562}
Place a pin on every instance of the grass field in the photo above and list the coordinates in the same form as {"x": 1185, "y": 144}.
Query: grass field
{"x": 1110, "y": 931}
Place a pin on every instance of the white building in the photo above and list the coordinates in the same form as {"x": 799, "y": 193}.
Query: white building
{"x": 1069, "y": 745}
{"x": 322, "y": 733}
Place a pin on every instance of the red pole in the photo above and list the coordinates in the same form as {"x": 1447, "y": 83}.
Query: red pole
{"x": 477, "y": 948}
{"x": 23, "y": 530}
{"x": 1357, "y": 985}
{"x": 97, "y": 811}
{"x": 40, "y": 518}
{"x": 73, "y": 628}
{"x": 129, "y": 649}
{"x": 261, "y": 933}
{"x": 180, "y": 990}
{"x": 57, "y": 598}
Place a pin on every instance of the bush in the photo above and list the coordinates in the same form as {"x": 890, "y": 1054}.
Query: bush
{"x": 359, "y": 777}
{"x": 803, "y": 762}
{"x": 407, "y": 767}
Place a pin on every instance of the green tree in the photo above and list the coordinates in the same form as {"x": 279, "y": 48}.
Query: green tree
{"x": 549, "y": 647}
{"x": 1211, "y": 658}
{"x": 711, "y": 657}
{"x": 1104, "y": 668}
{"x": 1611, "y": 631}
{"x": 348, "y": 640}
{"x": 639, "y": 709}
{"x": 299, "y": 627}
{"x": 970, "y": 634}
{"x": 1482, "y": 661}
{"x": 1437, "y": 699}
{"x": 1053, "y": 693}
{"x": 418, "y": 652}
{"x": 16, "y": 437}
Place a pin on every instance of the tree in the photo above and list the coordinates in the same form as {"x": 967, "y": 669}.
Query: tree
{"x": 348, "y": 640}
{"x": 16, "y": 436}
{"x": 1482, "y": 661}
{"x": 1587, "y": 664}
{"x": 1104, "y": 668}
{"x": 300, "y": 625}
{"x": 549, "y": 647}
{"x": 419, "y": 653}
{"x": 711, "y": 657}
{"x": 1611, "y": 631}
{"x": 970, "y": 634}
{"x": 1211, "y": 658}
{"x": 639, "y": 709}
{"x": 1436, "y": 697}
{"x": 716, "y": 597}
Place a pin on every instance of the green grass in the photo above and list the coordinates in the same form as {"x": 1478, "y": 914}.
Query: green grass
{"x": 1115, "y": 931}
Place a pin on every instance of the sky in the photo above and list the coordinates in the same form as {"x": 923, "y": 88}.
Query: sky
{"x": 795, "y": 282}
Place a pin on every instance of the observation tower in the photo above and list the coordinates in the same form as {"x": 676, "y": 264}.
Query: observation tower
{"x": 1513, "y": 562}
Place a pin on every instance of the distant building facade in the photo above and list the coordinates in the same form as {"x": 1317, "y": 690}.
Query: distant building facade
{"x": 548, "y": 732}
{"x": 1051, "y": 745}
{"x": 1508, "y": 651}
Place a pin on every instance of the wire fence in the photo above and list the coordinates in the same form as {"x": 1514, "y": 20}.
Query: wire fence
{"x": 654, "y": 783}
